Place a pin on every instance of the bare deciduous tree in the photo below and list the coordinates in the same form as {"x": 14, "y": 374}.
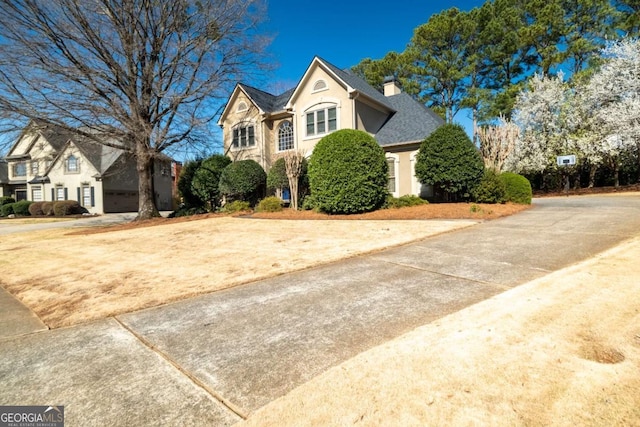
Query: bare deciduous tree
{"x": 293, "y": 166}
{"x": 497, "y": 142}
{"x": 143, "y": 76}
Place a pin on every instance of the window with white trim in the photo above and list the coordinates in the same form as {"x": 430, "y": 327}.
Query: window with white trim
{"x": 86, "y": 196}
{"x": 35, "y": 167}
{"x": 60, "y": 193}
{"x": 20, "y": 169}
{"x": 392, "y": 183}
{"x": 322, "y": 121}
{"x": 285, "y": 136}
{"x": 319, "y": 85}
{"x": 36, "y": 194}
{"x": 244, "y": 136}
{"x": 242, "y": 106}
{"x": 71, "y": 164}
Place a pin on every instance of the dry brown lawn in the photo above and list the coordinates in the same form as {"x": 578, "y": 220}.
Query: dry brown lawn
{"x": 563, "y": 350}
{"x": 72, "y": 277}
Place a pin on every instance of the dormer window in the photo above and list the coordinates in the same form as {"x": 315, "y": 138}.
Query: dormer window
{"x": 71, "y": 164}
{"x": 242, "y": 106}
{"x": 320, "y": 85}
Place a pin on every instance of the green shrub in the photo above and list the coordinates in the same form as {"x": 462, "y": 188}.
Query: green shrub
{"x": 184, "y": 184}
{"x": 47, "y": 208}
{"x": 205, "y": 183}
{"x": 277, "y": 177}
{"x": 21, "y": 208}
{"x": 7, "y": 209}
{"x": 517, "y": 188}
{"x": 450, "y": 162}
{"x": 67, "y": 207}
{"x": 236, "y": 206}
{"x": 308, "y": 203}
{"x": 5, "y": 200}
{"x": 243, "y": 180}
{"x": 491, "y": 189}
{"x": 270, "y": 204}
{"x": 35, "y": 209}
{"x": 348, "y": 173}
{"x": 405, "y": 201}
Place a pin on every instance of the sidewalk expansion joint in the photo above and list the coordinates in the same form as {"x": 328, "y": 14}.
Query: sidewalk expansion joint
{"x": 453, "y": 276}
{"x": 197, "y": 382}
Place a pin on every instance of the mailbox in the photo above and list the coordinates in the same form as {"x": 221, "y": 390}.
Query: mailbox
{"x": 566, "y": 160}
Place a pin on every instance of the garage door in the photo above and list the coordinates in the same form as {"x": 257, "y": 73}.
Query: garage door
{"x": 120, "y": 201}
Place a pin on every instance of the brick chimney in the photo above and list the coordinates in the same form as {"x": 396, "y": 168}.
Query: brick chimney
{"x": 391, "y": 86}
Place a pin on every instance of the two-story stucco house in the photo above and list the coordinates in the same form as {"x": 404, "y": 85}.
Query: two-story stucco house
{"x": 49, "y": 163}
{"x": 258, "y": 125}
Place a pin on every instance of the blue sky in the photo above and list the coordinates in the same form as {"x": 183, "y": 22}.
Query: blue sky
{"x": 342, "y": 33}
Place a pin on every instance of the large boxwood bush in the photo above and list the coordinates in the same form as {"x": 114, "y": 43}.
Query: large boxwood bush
{"x": 6, "y": 209}
{"x": 67, "y": 207}
{"x": 205, "y": 183}
{"x": 450, "y": 162}
{"x": 348, "y": 173}
{"x": 517, "y": 188}
{"x": 243, "y": 180}
{"x": 21, "y": 208}
{"x": 5, "y": 200}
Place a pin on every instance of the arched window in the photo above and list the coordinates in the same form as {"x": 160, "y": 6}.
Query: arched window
{"x": 242, "y": 106}
{"x": 72, "y": 163}
{"x": 319, "y": 85}
{"x": 285, "y": 136}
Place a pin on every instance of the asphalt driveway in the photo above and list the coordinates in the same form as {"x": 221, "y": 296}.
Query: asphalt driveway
{"x": 213, "y": 359}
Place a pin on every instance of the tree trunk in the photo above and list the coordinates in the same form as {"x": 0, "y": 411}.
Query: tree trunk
{"x": 616, "y": 174}
{"x": 592, "y": 175}
{"x": 146, "y": 191}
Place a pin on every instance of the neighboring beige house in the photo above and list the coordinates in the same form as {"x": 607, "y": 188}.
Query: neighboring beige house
{"x": 258, "y": 125}
{"x": 49, "y": 163}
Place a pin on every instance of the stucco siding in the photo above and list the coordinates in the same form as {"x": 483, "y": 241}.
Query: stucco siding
{"x": 250, "y": 116}
{"x": 309, "y": 100}
{"x": 368, "y": 118}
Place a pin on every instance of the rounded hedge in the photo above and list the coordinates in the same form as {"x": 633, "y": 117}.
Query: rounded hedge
{"x": 5, "y": 200}
{"x": 348, "y": 173}
{"x": 6, "y": 209}
{"x": 67, "y": 207}
{"x": 450, "y": 162}
{"x": 491, "y": 189}
{"x": 517, "y": 188}
{"x": 270, "y": 204}
{"x": 243, "y": 180}
{"x": 205, "y": 183}
{"x": 21, "y": 208}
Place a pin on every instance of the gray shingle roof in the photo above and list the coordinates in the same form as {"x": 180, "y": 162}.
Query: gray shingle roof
{"x": 412, "y": 122}
{"x": 359, "y": 84}
{"x": 265, "y": 101}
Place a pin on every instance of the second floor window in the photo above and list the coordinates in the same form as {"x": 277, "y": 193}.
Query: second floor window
{"x": 72, "y": 164}
{"x": 320, "y": 122}
{"x": 244, "y": 136}
{"x": 20, "y": 169}
{"x": 35, "y": 167}
{"x": 285, "y": 136}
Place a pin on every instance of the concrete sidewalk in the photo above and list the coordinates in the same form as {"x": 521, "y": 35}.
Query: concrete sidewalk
{"x": 231, "y": 352}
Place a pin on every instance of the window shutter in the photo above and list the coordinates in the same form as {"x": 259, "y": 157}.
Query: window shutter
{"x": 93, "y": 199}
{"x": 79, "y": 196}
{"x": 66, "y": 193}
{"x": 53, "y": 194}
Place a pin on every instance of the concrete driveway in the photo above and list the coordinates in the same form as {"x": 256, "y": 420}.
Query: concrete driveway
{"x": 8, "y": 226}
{"x": 213, "y": 359}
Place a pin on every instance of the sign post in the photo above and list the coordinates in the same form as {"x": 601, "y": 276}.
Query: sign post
{"x": 563, "y": 161}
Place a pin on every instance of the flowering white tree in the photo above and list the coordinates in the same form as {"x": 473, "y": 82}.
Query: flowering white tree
{"x": 613, "y": 98}
{"x": 542, "y": 113}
